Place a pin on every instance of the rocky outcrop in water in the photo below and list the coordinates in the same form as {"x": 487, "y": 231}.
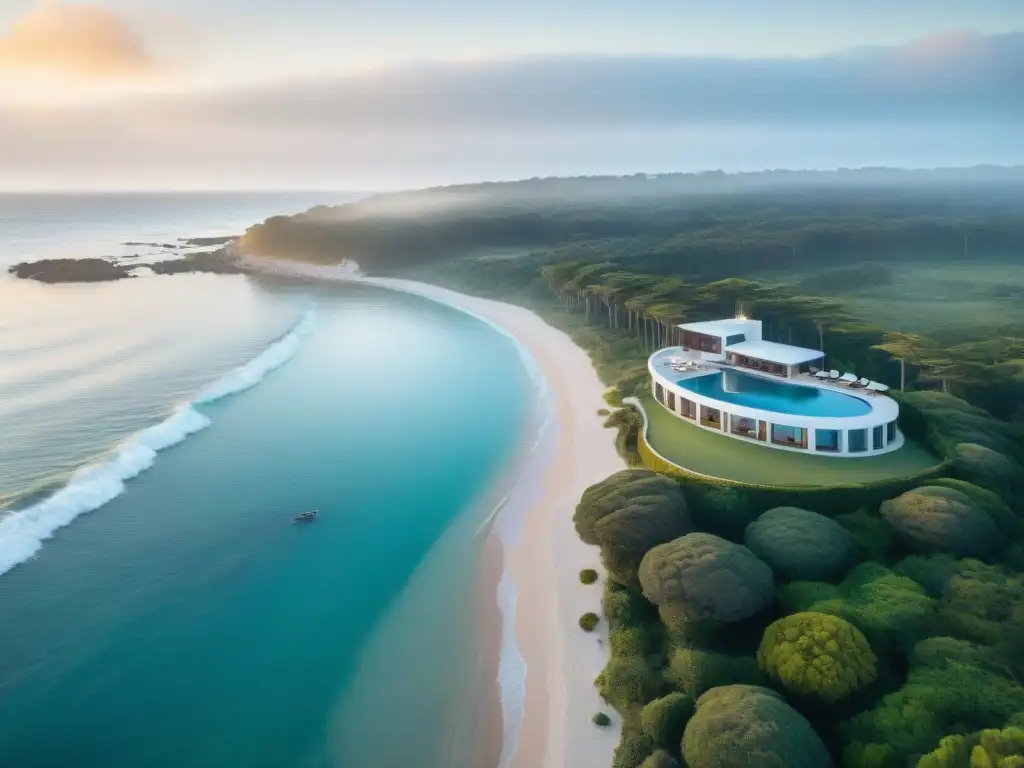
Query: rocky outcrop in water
{"x": 101, "y": 270}
{"x": 70, "y": 271}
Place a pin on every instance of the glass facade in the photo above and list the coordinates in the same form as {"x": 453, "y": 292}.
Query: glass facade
{"x": 740, "y": 425}
{"x": 826, "y": 440}
{"x": 890, "y": 431}
{"x": 794, "y": 437}
{"x": 710, "y": 417}
{"x": 878, "y": 437}
{"x": 857, "y": 440}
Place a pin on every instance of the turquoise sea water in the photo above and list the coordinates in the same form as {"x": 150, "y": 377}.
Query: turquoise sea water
{"x": 756, "y": 392}
{"x": 187, "y": 622}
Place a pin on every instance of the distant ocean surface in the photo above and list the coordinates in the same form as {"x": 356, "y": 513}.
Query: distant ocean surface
{"x": 157, "y": 606}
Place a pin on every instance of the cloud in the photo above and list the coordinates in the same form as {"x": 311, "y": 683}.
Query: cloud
{"x": 80, "y": 40}
{"x": 957, "y": 105}
{"x": 949, "y": 78}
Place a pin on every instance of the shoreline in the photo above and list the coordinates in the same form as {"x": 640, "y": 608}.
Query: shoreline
{"x": 542, "y": 554}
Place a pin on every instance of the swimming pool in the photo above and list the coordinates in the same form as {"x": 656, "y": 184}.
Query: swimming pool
{"x": 778, "y": 396}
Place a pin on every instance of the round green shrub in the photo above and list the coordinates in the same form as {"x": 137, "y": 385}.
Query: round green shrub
{"x": 817, "y": 655}
{"x": 987, "y": 468}
{"x": 602, "y": 720}
{"x": 588, "y": 621}
{"x": 627, "y": 681}
{"x": 742, "y": 726}
{"x": 799, "y": 544}
{"x": 990, "y": 748}
{"x": 660, "y": 759}
{"x": 705, "y": 578}
{"x": 628, "y": 513}
{"x": 631, "y": 641}
{"x": 588, "y": 576}
{"x": 937, "y": 519}
{"x": 663, "y": 720}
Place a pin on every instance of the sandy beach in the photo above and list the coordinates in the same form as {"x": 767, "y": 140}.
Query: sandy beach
{"x": 543, "y": 561}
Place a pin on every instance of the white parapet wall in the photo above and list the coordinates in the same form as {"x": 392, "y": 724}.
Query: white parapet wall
{"x": 868, "y": 434}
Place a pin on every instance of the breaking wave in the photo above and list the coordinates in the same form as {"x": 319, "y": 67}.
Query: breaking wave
{"x": 23, "y": 531}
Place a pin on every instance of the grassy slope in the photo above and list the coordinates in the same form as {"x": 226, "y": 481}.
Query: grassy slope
{"x": 720, "y": 456}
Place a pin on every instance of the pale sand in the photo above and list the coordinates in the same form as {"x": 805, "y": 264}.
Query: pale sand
{"x": 561, "y": 659}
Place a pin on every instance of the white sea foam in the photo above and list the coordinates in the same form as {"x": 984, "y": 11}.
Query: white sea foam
{"x": 22, "y": 532}
{"x": 511, "y": 672}
{"x": 272, "y": 358}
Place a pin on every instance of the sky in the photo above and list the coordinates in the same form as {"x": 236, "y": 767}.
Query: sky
{"x": 388, "y": 93}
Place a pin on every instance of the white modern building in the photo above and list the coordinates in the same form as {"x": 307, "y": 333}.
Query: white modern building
{"x": 726, "y": 378}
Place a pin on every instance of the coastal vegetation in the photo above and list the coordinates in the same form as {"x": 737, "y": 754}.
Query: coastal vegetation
{"x": 873, "y": 623}
{"x": 588, "y": 621}
{"x": 588, "y": 576}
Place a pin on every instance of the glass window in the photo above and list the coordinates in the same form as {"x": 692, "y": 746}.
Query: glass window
{"x": 736, "y": 338}
{"x": 890, "y": 432}
{"x": 826, "y": 440}
{"x": 878, "y": 437}
{"x": 857, "y": 440}
{"x": 794, "y": 437}
{"x": 671, "y": 401}
{"x": 741, "y": 425}
{"x": 659, "y": 392}
{"x": 688, "y": 408}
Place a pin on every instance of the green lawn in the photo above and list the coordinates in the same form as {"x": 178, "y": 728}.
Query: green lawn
{"x": 701, "y": 451}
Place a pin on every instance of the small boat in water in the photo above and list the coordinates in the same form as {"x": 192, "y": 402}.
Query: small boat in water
{"x": 306, "y": 517}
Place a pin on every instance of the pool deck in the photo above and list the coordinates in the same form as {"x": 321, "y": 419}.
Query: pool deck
{"x": 718, "y": 455}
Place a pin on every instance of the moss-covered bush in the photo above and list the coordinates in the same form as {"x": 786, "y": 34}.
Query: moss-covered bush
{"x": 588, "y": 576}
{"x": 798, "y": 544}
{"x": 660, "y": 759}
{"x": 982, "y": 466}
{"x": 992, "y": 748}
{"x": 624, "y": 605}
{"x": 588, "y": 621}
{"x": 938, "y": 519}
{"x": 892, "y": 611}
{"x": 989, "y": 502}
{"x": 944, "y": 421}
{"x": 633, "y": 747}
{"x": 950, "y": 687}
{"x": 693, "y": 672}
{"x": 872, "y": 536}
{"x": 602, "y": 720}
{"x": 932, "y": 572}
{"x": 981, "y": 603}
{"x": 631, "y": 641}
{"x": 629, "y": 513}
{"x": 663, "y": 720}
{"x": 817, "y": 656}
{"x": 626, "y": 680}
{"x": 706, "y": 578}
{"x": 741, "y": 726}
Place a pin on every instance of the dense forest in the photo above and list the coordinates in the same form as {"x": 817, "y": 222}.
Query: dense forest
{"x": 707, "y": 226}
{"x": 866, "y": 626}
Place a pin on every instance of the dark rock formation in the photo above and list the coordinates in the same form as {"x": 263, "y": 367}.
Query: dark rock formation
{"x": 99, "y": 270}
{"x": 201, "y": 241}
{"x": 70, "y": 271}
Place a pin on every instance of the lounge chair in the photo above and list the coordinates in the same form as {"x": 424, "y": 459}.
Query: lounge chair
{"x": 848, "y": 378}
{"x": 859, "y": 383}
{"x": 821, "y": 375}
{"x": 833, "y": 375}
{"x": 874, "y": 386}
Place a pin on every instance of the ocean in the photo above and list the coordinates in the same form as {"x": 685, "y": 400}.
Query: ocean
{"x": 157, "y": 605}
